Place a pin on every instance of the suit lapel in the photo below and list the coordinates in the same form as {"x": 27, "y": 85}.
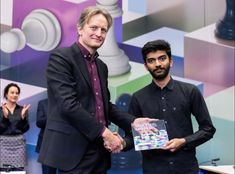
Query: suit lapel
{"x": 79, "y": 59}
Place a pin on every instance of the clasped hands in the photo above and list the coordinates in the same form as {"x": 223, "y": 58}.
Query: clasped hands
{"x": 113, "y": 142}
{"x": 24, "y": 111}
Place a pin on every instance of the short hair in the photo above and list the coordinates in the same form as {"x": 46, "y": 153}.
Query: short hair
{"x": 6, "y": 89}
{"x": 91, "y": 11}
{"x": 154, "y": 46}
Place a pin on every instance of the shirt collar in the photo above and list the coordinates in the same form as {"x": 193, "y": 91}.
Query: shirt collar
{"x": 170, "y": 85}
{"x": 86, "y": 53}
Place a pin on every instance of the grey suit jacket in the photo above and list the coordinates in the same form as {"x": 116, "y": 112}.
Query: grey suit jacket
{"x": 71, "y": 124}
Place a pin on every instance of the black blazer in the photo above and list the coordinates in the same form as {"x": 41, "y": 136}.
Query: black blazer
{"x": 41, "y": 121}
{"x": 71, "y": 124}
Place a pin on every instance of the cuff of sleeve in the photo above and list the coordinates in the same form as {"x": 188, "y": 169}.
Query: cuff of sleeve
{"x": 129, "y": 144}
{"x": 124, "y": 144}
{"x": 102, "y": 131}
{"x": 187, "y": 144}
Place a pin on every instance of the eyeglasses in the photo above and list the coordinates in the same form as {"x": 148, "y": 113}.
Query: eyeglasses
{"x": 160, "y": 59}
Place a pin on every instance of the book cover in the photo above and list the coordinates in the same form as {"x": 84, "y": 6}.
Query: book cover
{"x": 151, "y": 135}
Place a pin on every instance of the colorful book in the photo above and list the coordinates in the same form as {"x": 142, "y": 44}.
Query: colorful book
{"x": 151, "y": 135}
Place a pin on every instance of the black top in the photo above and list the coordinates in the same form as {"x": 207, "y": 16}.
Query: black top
{"x": 14, "y": 124}
{"x": 175, "y": 104}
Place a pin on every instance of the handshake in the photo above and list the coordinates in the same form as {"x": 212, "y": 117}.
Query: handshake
{"x": 114, "y": 143}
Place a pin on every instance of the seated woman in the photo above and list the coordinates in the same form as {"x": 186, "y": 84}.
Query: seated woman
{"x": 13, "y": 124}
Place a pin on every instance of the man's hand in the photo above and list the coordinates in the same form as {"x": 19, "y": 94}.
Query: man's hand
{"x": 175, "y": 144}
{"x": 143, "y": 125}
{"x": 112, "y": 141}
{"x": 122, "y": 141}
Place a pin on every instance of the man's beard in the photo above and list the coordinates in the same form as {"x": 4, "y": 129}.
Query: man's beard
{"x": 162, "y": 76}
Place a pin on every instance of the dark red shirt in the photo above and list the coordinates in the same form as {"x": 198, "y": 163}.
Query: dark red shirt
{"x": 95, "y": 82}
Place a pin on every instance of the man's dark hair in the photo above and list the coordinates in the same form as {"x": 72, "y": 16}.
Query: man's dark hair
{"x": 154, "y": 46}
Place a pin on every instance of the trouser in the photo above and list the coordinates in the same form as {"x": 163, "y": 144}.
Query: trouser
{"x": 96, "y": 160}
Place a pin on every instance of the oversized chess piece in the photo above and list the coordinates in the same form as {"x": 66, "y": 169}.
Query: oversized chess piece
{"x": 110, "y": 53}
{"x": 40, "y": 30}
{"x": 225, "y": 28}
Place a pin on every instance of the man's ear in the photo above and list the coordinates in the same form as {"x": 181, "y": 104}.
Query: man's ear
{"x": 145, "y": 66}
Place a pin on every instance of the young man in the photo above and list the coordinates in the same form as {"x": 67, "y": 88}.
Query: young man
{"x": 174, "y": 102}
{"x": 79, "y": 107}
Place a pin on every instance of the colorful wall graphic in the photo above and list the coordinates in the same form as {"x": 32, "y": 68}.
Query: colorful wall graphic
{"x": 199, "y": 58}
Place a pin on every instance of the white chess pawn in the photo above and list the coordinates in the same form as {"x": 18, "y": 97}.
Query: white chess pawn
{"x": 40, "y": 30}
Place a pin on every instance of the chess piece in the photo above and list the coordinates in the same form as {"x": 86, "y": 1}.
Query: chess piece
{"x": 225, "y": 28}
